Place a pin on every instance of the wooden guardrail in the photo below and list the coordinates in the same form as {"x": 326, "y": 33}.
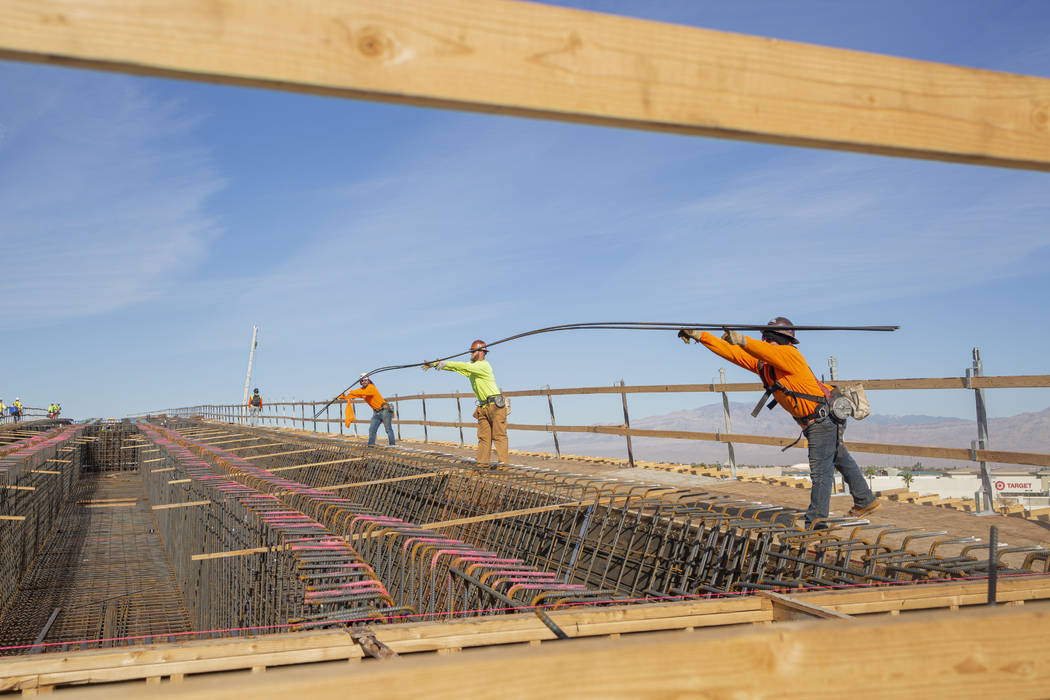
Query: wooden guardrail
{"x": 305, "y": 409}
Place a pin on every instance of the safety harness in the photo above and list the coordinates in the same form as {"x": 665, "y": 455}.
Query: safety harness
{"x": 767, "y": 373}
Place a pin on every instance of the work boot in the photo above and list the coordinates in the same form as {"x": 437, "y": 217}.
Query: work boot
{"x": 860, "y": 511}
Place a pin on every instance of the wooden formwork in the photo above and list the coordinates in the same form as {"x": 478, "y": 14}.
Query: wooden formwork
{"x": 739, "y": 646}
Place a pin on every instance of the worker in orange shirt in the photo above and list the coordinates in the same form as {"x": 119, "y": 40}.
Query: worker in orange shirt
{"x": 788, "y": 378}
{"x": 383, "y": 412}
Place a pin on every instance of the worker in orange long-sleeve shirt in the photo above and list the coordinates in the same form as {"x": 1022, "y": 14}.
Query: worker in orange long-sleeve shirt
{"x": 789, "y": 379}
{"x": 383, "y": 412}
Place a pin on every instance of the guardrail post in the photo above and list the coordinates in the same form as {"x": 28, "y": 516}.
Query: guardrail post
{"x": 302, "y": 405}
{"x": 627, "y": 424}
{"x": 397, "y": 415}
{"x": 423, "y": 398}
{"x": 459, "y": 419}
{"x": 982, "y": 433}
{"x": 729, "y": 425}
{"x": 554, "y": 425}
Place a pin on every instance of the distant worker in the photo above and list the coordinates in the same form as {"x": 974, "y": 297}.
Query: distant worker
{"x": 16, "y": 409}
{"x": 3, "y": 415}
{"x": 58, "y": 409}
{"x": 491, "y": 412}
{"x": 254, "y": 408}
{"x": 787, "y": 377}
{"x": 51, "y": 410}
{"x": 382, "y": 411}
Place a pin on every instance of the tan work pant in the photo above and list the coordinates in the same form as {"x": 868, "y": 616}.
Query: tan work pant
{"x": 492, "y": 428}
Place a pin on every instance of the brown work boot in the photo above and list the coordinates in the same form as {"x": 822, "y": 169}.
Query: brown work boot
{"x": 860, "y": 511}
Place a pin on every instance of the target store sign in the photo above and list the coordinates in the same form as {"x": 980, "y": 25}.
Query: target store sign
{"x": 1016, "y": 484}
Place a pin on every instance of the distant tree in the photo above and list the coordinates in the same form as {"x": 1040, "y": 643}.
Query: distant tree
{"x": 870, "y": 472}
{"x": 907, "y": 477}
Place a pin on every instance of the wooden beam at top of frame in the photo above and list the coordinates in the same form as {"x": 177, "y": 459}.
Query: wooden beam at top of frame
{"x": 555, "y": 63}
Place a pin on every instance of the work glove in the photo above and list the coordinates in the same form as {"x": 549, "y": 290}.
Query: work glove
{"x": 428, "y": 365}
{"x": 735, "y": 338}
{"x": 686, "y": 333}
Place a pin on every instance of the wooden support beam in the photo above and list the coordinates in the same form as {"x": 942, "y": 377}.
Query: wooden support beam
{"x": 279, "y": 454}
{"x": 235, "y": 553}
{"x": 391, "y": 480}
{"x": 126, "y": 504}
{"x": 180, "y": 481}
{"x": 158, "y": 459}
{"x": 158, "y": 471}
{"x": 787, "y": 608}
{"x": 318, "y": 464}
{"x": 17, "y": 488}
{"x": 43, "y": 471}
{"x": 13, "y": 517}
{"x": 555, "y": 63}
{"x": 166, "y": 506}
{"x": 252, "y": 447}
{"x": 224, "y": 442}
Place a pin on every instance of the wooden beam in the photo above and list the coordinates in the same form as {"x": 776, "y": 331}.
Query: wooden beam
{"x": 555, "y": 63}
{"x": 166, "y": 506}
{"x": 278, "y": 454}
{"x": 252, "y": 447}
{"x": 918, "y": 655}
{"x": 317, "y": 464}
{"x": 787, "y": 608}
{"x": 235, "y": 553}
{"x": 391, "y": 480}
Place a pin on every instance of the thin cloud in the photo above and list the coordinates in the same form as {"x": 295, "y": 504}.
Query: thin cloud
{"x": 103, "y": 191}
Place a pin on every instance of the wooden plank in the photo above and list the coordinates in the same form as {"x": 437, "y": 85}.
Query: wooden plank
{"x": 224, "y": 442}
{"x": 252, "y": 447}
{"x": 159, "y": 471}
{"x": 158, "y": 459}
{"x": 556, "y": 63}
{"x": 404, "y": 638}
{"x": 12, "y": 517}
{"x": 180, "y": 481}
{"x": 918, "y": 656}
{"x": 317, "y": 464}
{"x": 279, "y": 454}
{"x": 110, "y": 505}
{"x": 234, "y": 553}
{"x": 166, "y": 506}
{"x": 43, "y": 471}
{"x": 997, "y": 382}
{"x": 391, "y": 480}
{"x": 788, "y": 608}
{"x": 17, "y": 488}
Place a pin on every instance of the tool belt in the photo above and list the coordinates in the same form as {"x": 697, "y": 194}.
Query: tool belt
{"x": 496, "y": 399}
{"x": 386, "y": 405}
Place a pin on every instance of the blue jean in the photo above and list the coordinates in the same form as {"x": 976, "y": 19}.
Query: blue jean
{"x": 385, "y": 416}
{"x": 826, "y": 455}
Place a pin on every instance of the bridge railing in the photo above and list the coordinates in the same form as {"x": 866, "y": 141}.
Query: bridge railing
{"x": 300, "y": 414}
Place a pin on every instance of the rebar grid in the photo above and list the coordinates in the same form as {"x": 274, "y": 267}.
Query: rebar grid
{"x": 636, "y": 539}
{"x": 304, "y": 574}
{"x": 102, "y": 573}
{"x": 416, "y": 564}
{"x": 37, "y": 474}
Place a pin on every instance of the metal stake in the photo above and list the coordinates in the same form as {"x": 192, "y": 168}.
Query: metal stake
{"x": 729, "y": 425}
{"x": 982, "y": 433}
{"x": 627, "y": 424}
{"x": 554, "y": 425}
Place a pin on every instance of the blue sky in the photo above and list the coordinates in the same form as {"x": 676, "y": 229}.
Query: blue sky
{"x": 146, "y": 224}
